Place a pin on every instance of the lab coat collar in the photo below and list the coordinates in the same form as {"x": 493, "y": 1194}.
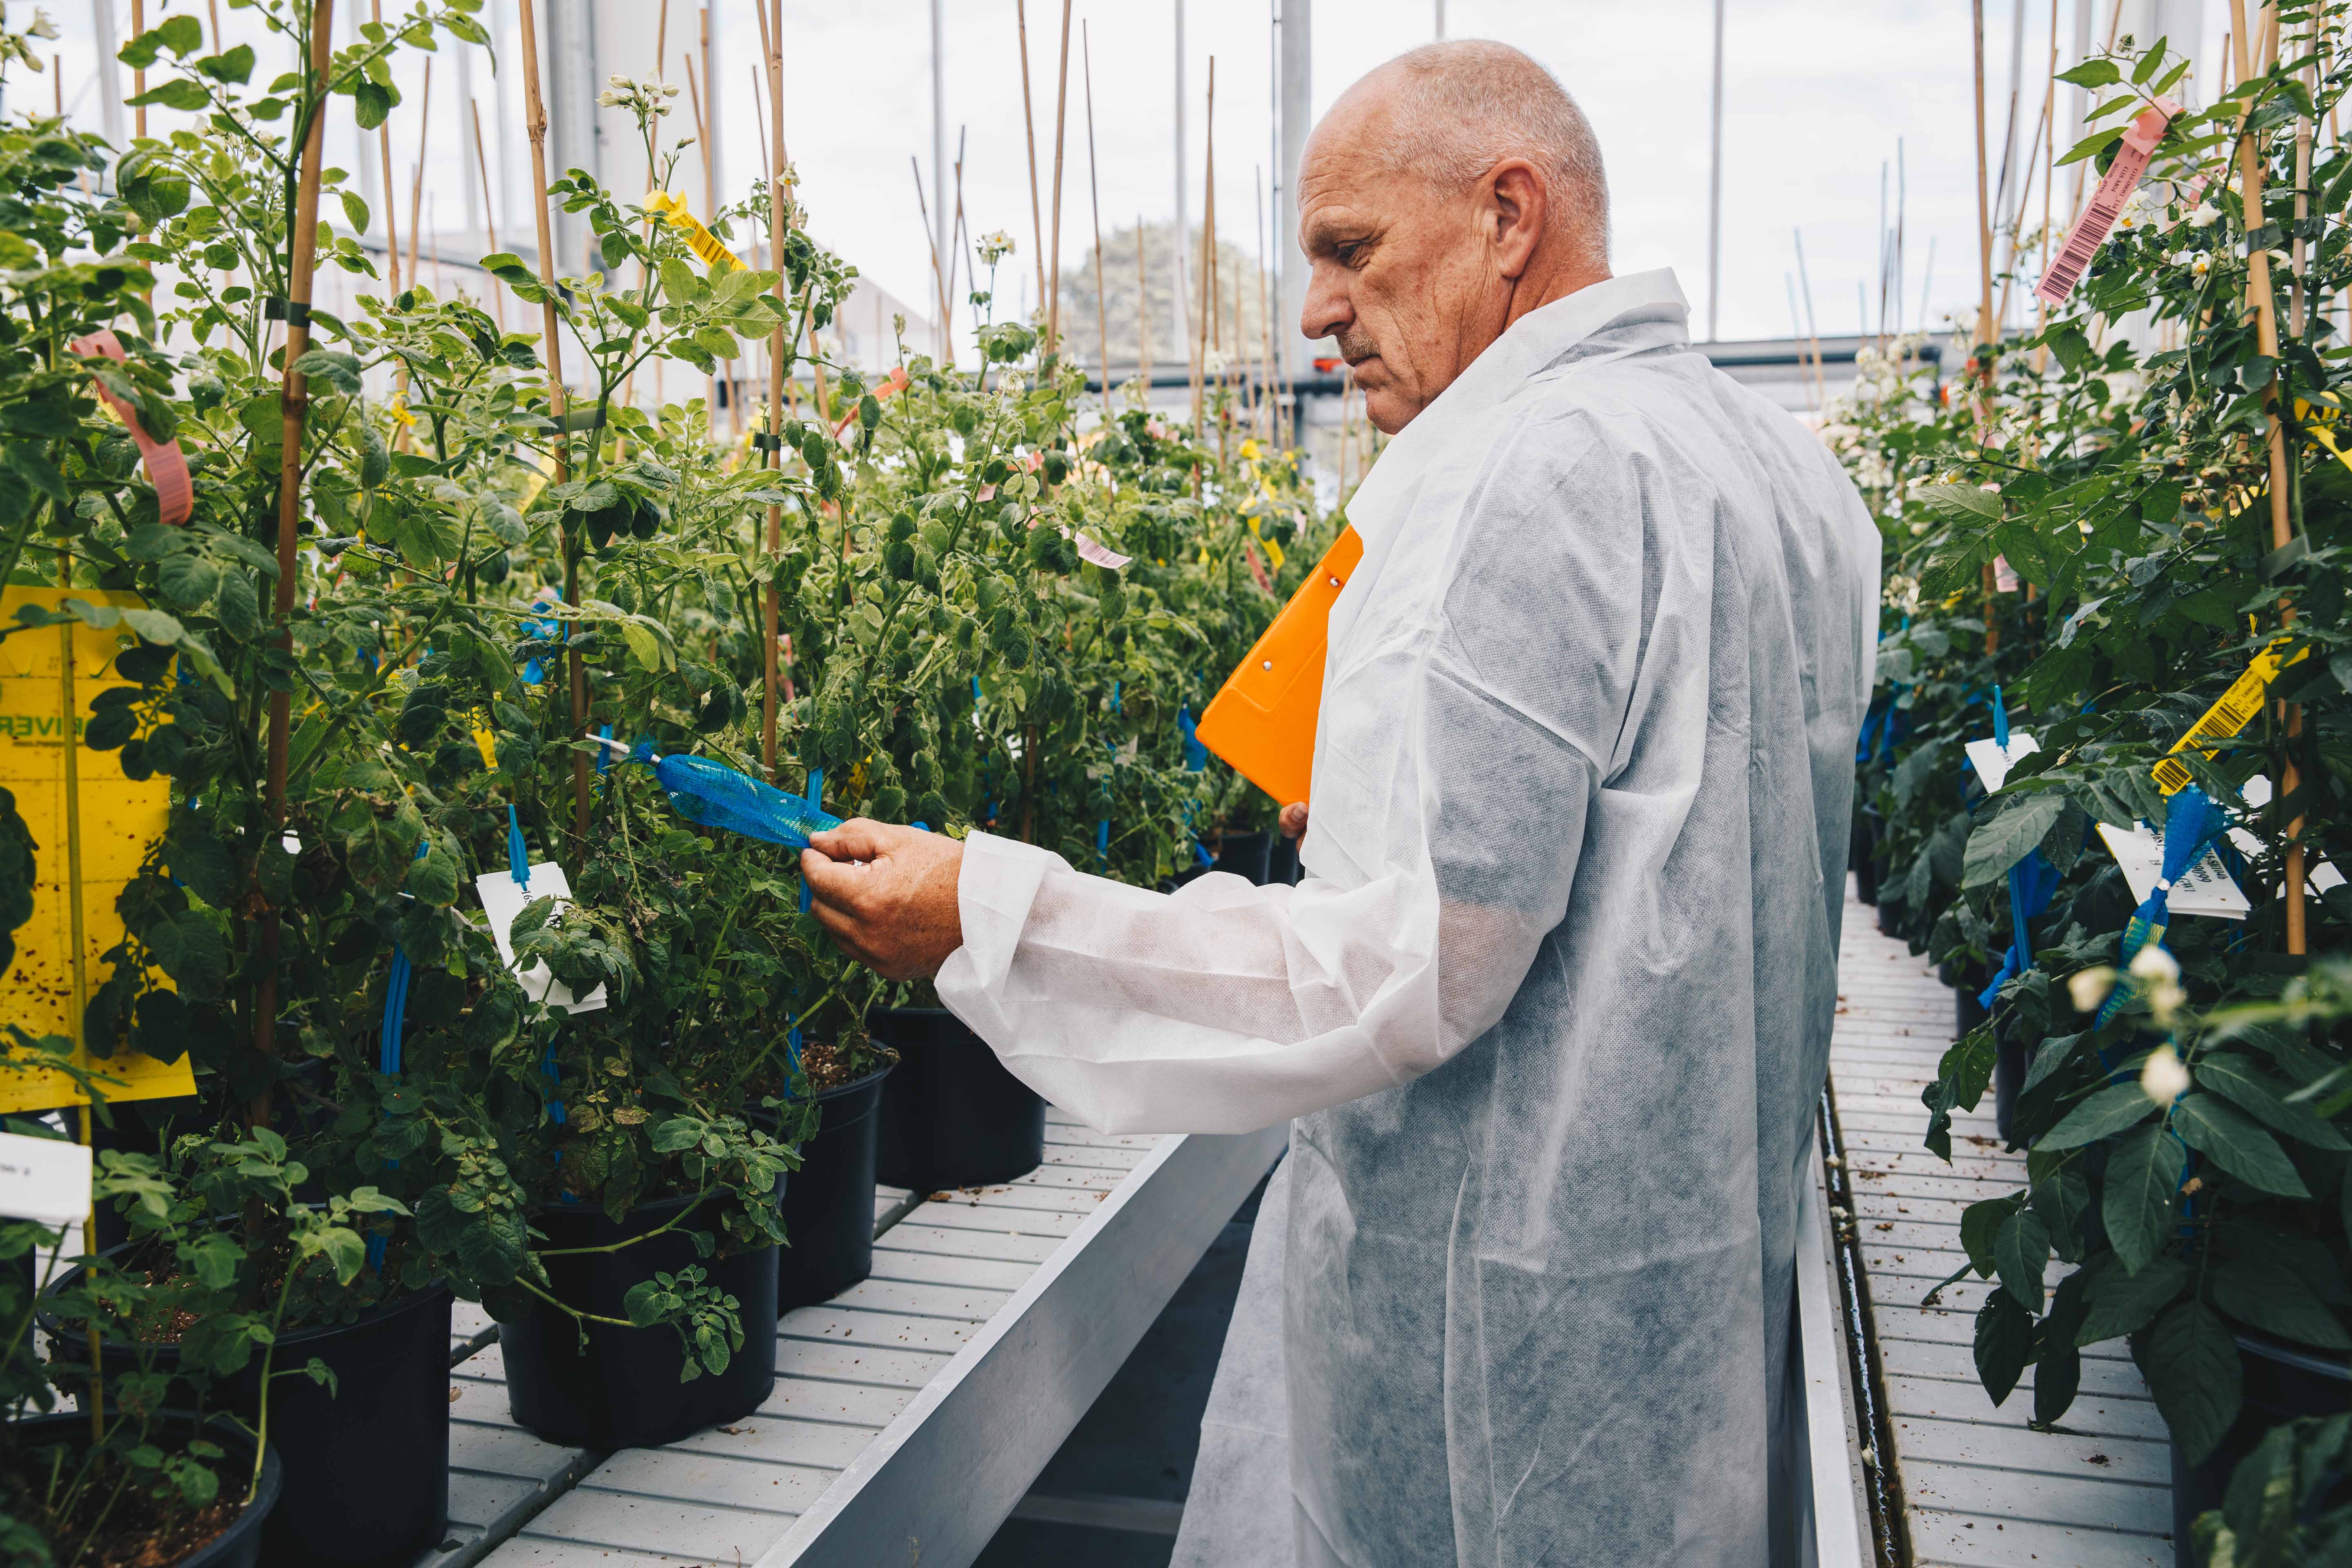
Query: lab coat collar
{"x": 1541, "y": 338}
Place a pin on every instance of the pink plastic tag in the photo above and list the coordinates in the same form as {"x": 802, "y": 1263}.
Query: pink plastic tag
{"x": 1101, "y": 554}
{"x": 1257, "y": 566}
{"x": 167, "y": 466}
{"x": 2004, "y": 575}
{"x": 2090, "y": 230}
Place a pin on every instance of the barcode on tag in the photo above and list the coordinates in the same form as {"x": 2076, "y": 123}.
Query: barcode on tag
{"x": 2090, "y": 230}
{"x": 2233, "y": 711}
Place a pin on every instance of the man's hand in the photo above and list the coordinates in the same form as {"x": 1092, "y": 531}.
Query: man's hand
{"x": 888, "y": 895}
{"x": 1294, "y": 820}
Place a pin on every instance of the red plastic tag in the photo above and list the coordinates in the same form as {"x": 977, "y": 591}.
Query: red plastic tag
{"x": 167, "y": 466}
{"x": 2090, "y": 230}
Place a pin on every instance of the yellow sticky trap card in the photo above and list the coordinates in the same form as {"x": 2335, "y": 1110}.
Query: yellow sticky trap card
{"x": 88, "y": 843}
{"x": 1262, "y": 721}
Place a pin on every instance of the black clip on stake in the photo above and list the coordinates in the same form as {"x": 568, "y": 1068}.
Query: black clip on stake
{"x": 294, "y": 314}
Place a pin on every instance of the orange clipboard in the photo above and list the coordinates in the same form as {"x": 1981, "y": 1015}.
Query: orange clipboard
{"x": 1262, "y": 721}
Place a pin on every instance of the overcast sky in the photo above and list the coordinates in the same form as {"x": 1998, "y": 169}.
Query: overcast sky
{"x": 1817, "y": 99}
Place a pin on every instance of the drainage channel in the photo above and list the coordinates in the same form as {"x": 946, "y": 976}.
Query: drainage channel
{"x": 1881, "y": 1487}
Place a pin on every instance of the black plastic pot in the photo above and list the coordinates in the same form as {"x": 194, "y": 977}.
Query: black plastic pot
{"x": 2281, "y": 1381}
{"x": 367, "y": 1467}
{"x": 1282, "y": 862}
{"x": 829, "y": 1201}
{"x": 1863, "y": 854}
{"x": 951, "y": 1115}
{"x": 622, "y": 1389}
{"x": 1247, "y": 855}
{"x": 239, "y": 1545}
{"x": 1890, "y": 916}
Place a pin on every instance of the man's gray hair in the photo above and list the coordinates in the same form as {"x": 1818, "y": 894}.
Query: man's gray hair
{"x": 1465, "y": 106}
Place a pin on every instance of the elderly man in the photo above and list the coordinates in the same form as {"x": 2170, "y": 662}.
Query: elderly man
{"x": 1553, "y": 1005}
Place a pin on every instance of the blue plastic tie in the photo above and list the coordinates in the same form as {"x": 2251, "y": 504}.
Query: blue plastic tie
{"x": 388, "y": 1037}
{"x": 1196, "y": 756}
{"x": 604, "y": 758}
{"x": 2191, "y": 822}
{"x": 517, "y": 857}
{"x": 816, "y": 799}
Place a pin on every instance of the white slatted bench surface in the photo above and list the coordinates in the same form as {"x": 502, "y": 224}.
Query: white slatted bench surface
{"x": 1982, "y": 1490}
{"x": 912, "y": 1412}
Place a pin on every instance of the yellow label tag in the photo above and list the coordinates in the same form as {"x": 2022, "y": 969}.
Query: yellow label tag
{"x": 2316, "y": 421}
{"x": 484, "y": 741}
{"x": 113, "y": 822}
{"x": 698, "y": 240}
{"x": 2234, "y": 711}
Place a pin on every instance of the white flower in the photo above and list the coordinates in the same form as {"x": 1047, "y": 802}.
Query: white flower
{"x": 2204, "y": 215}
{"x": 1214, "y": 362}
{"x": 669, "y": 89}
{"x": 2200, "y": 264}
{"x": 42, "y": 27}
{"x": 616, "y": 81}
{"x": 2089, "y": 987}
{"x": 2153, "y": 964}
{"x": 2164, "y": 1079}
{"x": 2183, "y": 258}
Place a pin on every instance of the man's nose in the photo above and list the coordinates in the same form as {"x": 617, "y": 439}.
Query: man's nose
{"x": 1327, "y": 310}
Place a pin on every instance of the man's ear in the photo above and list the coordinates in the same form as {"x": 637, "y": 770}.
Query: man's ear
{"x": 1519, "y": 206}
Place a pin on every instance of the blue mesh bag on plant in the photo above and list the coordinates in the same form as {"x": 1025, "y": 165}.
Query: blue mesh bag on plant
{"x": 715, "y": 796}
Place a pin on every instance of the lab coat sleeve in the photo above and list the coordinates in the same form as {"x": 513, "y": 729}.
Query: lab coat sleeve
{"x": 1464, "y": 743}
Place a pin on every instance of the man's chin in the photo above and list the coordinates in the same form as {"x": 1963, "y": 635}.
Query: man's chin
{"x": 1388, "y": 409}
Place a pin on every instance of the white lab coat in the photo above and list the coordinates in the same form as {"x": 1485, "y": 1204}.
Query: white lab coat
{"x": 1553, "y": 1005}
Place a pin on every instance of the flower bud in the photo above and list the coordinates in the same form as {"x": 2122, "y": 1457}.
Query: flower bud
{"x": 2090, "y": 987}
{"x": 2165, "y": 1078}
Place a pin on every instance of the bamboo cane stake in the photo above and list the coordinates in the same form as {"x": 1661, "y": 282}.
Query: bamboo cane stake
{"x": 391, "y": 201}
{"x": 1208, "y": 251}
{"x": 550, "y": 323}
{"x": 294, "y": 403}
{"x": 489, "y": 214}
{"x": 1061, "y": 125}
{"x": 960, "y": 247}
{"x": 772, "y": 28}
{"x": 2266, "y": 338}
{"x": 138, "y": 74}
{"x": 1029, "y": 125}
{"x": 1980, "y": 369}
{"x": 416, "y": 170}
{"x": 939, "y": 275}
{"x": 1093, "y": 198}
{"x": 213, "y": 8}
{"x": 76, "y": 933}
{"x": 2302, "y": 134}
{"x": 1268, "y": 375}
{"x": 1143, "y": 315}
{"x": 710, "y": 206}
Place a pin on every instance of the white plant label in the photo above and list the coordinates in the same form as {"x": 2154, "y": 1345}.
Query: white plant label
{"x": 1992, "y": 764}
{"x": 503, "y": 903}
{"x": 2206, "y": 890}
{"x": 44, "y": 1179}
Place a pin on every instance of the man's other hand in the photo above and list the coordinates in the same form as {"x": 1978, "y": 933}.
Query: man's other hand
{"x": 1294, "y": 820}
{"x": 888, "y": 895}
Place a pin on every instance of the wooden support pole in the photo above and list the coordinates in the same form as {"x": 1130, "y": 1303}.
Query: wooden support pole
{"x": 1143, "y": 313}
{"x": 938, "y": 270}
{"x": 1094, "y": 197}
{"x": 1207, "y": 253}
{"x": 417, "y": 171}
{"x": 391, "y": 201}
{"x": 1981, "y": 369}
{"x": 138, "y": 74}
{"x": 1029, "y": 125}
{"x": 550, "y": 324}
{"x": 489, "y": 212}
{"x": 771, "y": 29}
{"x": 294, "y": 411}
{"x": 2264, "y": 306}
{"x": 1061, "y": 124}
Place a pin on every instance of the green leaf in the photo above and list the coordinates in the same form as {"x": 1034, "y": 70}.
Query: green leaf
{"x": 191, "y": 951}
{"x": 2002, "y": 840}
{"x": 2191, "y": 1365}
{"x": 179, "y": 92}
{"x": 2142, "y": 1194}
{"x": 433, "y": 879}
{"x": 2214, "y": 1128}
{"x": 678, "y": 1132}
{"x": 2061, "y": 1199}
{"x": 2058, "y": 1373}
{"x": 1961, "y": 501}
{"x": 2124, "y": 1303}
{"x": 2021, "y": 1251}
{"x": 183, "y": 35}
{"x": 233, "y": 65}
{"x": 2238, "y": 1081}
{"x": 2092, "y": 75}
{"x": 644, "y": 647}
{"x": 202, "y": 862}
{"x": 1980, "y": 1228}
{"x": 187, "y": 579}
{"x": 2004, "y": 1342}
{"x": 155, "y": 627}
{"x": 2266, "y": 1294}
{"x": 2107, "y": 1113}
